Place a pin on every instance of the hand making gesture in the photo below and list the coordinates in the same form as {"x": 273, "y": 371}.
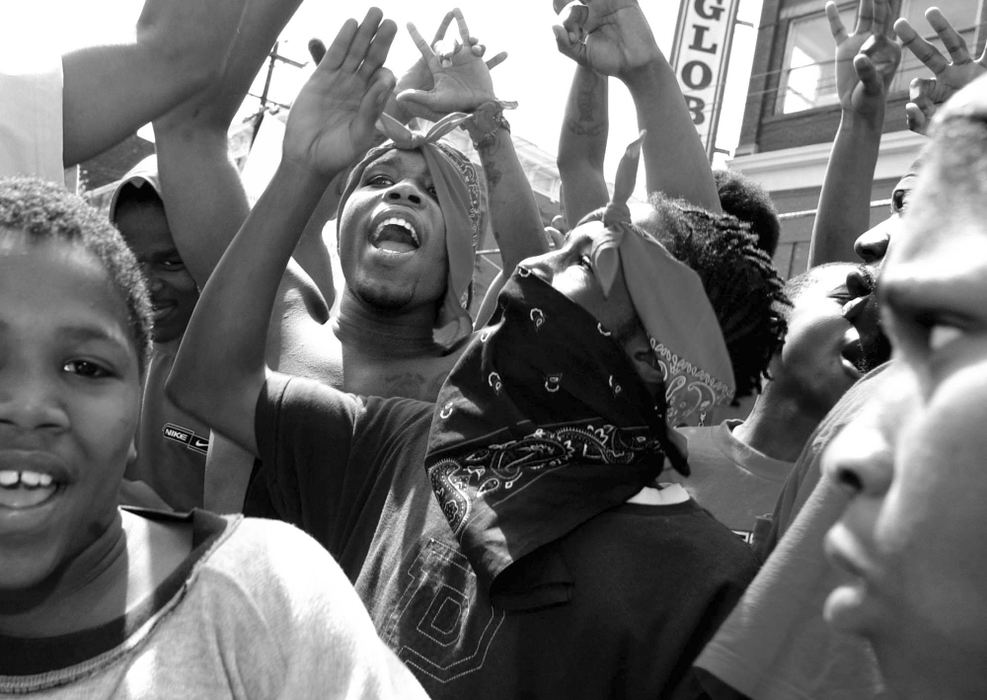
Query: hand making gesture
{"x": 611, "y": 37}
{"x": 926, "y": 94}
{"x": 450, "y": 76}
{"x": 867, "y": 59}
{"x": 332, "y": 119}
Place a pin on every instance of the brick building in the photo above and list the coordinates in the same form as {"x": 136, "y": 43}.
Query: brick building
{"x": 792, "y": 110}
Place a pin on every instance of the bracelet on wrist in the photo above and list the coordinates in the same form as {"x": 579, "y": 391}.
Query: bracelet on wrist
{"x": 487, "y": 120}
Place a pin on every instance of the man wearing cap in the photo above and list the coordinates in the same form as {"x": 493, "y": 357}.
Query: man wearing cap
{"x": 508, "y": 540}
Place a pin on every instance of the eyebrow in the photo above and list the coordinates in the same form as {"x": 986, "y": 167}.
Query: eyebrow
{"x": 86, "y": 334}
{"x": 92, "y": 333}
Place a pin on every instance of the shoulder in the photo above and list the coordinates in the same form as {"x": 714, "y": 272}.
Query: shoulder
{"x": 276, "y": 570}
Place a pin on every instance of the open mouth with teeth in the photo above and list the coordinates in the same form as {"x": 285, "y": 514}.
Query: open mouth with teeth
{"x": 395, "y": 236}
{"x": 25, "y": 489}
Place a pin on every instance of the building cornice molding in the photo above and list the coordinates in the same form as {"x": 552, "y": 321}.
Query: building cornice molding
{"x": 805, "y": 166}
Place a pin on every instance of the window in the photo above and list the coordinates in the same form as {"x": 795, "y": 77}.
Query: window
{"x": 808, "y": 76}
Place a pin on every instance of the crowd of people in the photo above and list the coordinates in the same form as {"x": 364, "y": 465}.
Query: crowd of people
{"x": 225, "y": 472}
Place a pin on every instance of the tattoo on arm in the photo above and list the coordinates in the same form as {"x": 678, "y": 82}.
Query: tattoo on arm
{"x": 577, "y": 128}
{"x": 591, "y": 118}
{"x": 586, "y": 102}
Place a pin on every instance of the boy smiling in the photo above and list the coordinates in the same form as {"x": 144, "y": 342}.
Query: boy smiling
{"x": 96, "y": 601}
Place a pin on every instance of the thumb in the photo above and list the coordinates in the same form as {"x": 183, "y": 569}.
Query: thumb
{"x": 316, "y": 49}
{"x": 915, "y": 118}
{"x": 574, "y": 49}
{"x": 422, "y": 103}
{"x": 867, "y": 73}
{"x": 921, "y": 87}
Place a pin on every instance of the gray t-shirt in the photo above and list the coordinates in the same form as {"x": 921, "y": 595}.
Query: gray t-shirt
{"x": 261, "y": 611}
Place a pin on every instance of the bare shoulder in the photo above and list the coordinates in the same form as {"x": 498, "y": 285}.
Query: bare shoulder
{"x": 299, "y": 341}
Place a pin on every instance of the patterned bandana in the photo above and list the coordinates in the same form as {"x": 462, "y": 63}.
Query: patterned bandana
{"x": 533, "y": 433}
{"x": 670, "y": 302}
{"x": 458, "y": 187}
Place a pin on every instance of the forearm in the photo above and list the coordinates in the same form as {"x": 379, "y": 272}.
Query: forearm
{"x": 180, "y": 48}
{"x": 110, "y": 91}
{"x": 583, "y": 145}
{"x": 221, "y": 366}
{"x": 204, "y": 198}
{"x": 674, "y": 158}
{"x": 514, "y": 214}
{"x": 844, "y": 202}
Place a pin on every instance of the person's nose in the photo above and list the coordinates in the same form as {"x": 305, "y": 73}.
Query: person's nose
{"x": 30, "y": 400}
{"x": 860, "y": 459}
{"x": 872, "y": 245}
{"x": 405, "y": 191}
{"x": 540, "y": 265}
{"x": 154, "y": 283}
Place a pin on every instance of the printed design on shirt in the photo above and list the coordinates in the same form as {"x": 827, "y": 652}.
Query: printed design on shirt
{"x": 186, "y": 436}
{"x": 439, "y": 626}
{"x": 495, "y": 472}
{"x": 746, "y": 536}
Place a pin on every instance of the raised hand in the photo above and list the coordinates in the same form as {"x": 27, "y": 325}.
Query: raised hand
{"x": 611, "y": 37}
{"x": 867, "y": 59}
{"x": 332, "y": 120}
{"x": 448, "y": 77}
{"x": 926, "y": 94}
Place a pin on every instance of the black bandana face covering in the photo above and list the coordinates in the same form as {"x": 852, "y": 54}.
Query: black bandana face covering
{"x": 543, "y": 424}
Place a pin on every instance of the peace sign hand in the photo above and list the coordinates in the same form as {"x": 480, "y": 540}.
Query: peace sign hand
{"x": 926, "y": 94}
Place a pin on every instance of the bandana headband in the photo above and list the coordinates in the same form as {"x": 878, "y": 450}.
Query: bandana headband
{"x": 671, "y": 303}
{"x": 458, "y": 189}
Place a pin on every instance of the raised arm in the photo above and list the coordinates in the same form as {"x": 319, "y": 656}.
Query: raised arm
{"x": 220, "y": 369}
{"x": 613, "y": 37}
{"x": 204, "y": 197}
{"x": 583, "y": 144}
{"x": 866, "y": 61}
{"x": 926, "y": 94}
{"x": 109, "y": 91}
{"x": 462, "y": 83}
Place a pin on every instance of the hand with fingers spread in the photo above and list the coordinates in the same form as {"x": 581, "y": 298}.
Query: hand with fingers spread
{"x": 926, "y": 94}
{"x": 449, "y": 77}
{"x": 611, "y": 37}
{"x": 332, "y": 119}
{"x": 867, "y": 59}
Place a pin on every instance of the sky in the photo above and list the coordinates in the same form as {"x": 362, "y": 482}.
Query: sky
{"x": 534, "y": 74}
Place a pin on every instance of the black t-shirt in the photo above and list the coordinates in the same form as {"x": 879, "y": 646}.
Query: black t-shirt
{"x": 619, "y": 607}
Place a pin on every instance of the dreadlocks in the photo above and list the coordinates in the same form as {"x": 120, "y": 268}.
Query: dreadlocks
{"x": 739, "y": 278}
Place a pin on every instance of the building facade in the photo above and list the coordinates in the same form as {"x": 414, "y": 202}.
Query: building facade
{"x": 792, "y": 111}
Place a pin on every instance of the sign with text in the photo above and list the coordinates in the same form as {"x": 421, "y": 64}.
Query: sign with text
{"x": 703, "y": 36}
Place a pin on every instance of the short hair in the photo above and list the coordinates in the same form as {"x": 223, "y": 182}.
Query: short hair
{"x": 739, "y": 278}
{"x": 745, "y": 199}
{"x": 47, "y": 212}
